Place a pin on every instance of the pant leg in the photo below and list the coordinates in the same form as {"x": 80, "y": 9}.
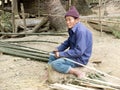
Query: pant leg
{"x": 62, "y": 65}
{"x": 51, "y": 58}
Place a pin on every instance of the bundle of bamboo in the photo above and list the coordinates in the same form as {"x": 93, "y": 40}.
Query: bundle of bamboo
{"x": 23, "y": 51}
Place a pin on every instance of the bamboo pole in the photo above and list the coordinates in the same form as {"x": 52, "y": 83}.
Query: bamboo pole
{"x": 7, "y": 49}
{"x": 19, "y": 41}
{"x": 106, "y": 21}
{"x": 93, "y": 69}
{"x": 51, "y": 34}
{"x": 68, "y": 87}
{"x": 92, "y": 86}
{"x": 19, "y": 47}
{"x": 117, "y": 86}
{"x": 96, "y": 83}
{"x": 21, "y": 54}
{"x": 23, "y": 51}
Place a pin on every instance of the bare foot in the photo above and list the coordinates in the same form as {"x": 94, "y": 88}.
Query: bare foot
{"x": 77, "y": 73}
{"x": 81, "y": 75}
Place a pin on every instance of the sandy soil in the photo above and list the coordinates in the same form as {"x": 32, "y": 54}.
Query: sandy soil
{"x": 23, "y": 74}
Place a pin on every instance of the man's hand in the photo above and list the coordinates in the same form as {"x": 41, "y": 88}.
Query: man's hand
{"x": 56, "y": 54}
{"x": 56, "y": 50}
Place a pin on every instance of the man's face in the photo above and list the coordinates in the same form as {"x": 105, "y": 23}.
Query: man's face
{"x": 70, "y": 21}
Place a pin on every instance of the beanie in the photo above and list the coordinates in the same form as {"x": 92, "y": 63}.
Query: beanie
{"x": 72, "y": 12}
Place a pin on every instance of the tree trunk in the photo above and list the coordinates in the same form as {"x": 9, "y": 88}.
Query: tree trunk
{"x": 56, "y": 14}
{"x": 82, "y": 7}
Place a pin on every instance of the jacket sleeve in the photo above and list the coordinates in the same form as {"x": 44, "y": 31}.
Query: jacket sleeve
{"x": 64, "y": 45}
{"x": 79, "y": 48}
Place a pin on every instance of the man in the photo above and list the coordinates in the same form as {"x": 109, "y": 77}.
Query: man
{"x": 79, "y": 43}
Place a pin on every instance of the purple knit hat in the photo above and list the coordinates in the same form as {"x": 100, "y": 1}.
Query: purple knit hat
{"x": 72, "y": 12}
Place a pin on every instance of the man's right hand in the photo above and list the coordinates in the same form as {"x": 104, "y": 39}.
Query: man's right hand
{"x": 56, "y": 50}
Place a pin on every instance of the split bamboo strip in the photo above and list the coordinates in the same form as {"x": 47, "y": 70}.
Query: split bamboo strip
{"x": 87, "y": 82}
{"x": 93, "y": 86}
{"x": 50, "y": 34}
{"x": 68, "y": 87}
{"x": 93, "y": 69}
{"x": 117, "y": 86}
{"x": 107, "y": 83}
{"x": 16, "y": 41}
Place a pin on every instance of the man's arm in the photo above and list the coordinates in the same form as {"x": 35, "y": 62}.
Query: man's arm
{"x": 64, "y": 45}
{"x": 79, "y": 49}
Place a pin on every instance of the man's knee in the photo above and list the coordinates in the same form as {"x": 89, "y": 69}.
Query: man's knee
{"x": 60, "y": 66}
{"x": 55, "y": 64}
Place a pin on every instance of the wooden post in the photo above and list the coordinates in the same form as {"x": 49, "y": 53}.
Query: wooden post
{"x": 38, "y": 8}
{"x": 13, "y": 16}
{"x": 105, "y": 11}
{"x": 69, "y": 3}
{"x": 23, "y": 15}
{"x": 3, "y": 5}
{"x": 100, "y": 17}
{"x": 2, "y": 30}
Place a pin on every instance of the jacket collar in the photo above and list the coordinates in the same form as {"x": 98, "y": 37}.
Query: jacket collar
{"x": 74, "y": 28}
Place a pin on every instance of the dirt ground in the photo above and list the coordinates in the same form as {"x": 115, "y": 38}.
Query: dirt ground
{"x": 23, "y": 74}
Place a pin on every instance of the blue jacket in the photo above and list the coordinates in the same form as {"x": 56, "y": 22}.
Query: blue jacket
{"x": 79, "y": 43}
